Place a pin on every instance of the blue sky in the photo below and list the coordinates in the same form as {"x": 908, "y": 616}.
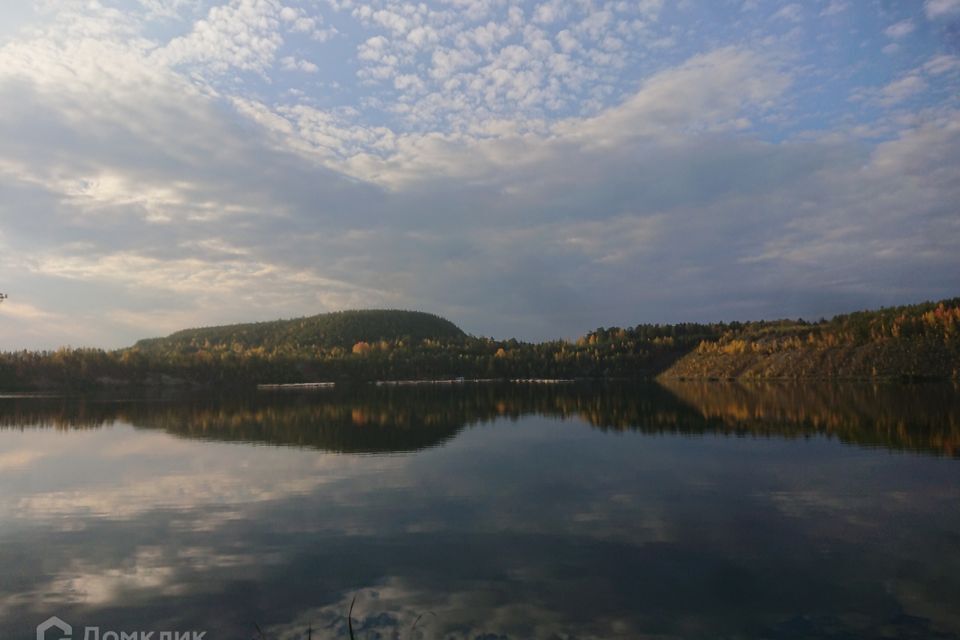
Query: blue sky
{"x": 527, "y": 169}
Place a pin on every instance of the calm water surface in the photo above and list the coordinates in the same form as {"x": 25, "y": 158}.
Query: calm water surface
{"x": 695, "y": 511}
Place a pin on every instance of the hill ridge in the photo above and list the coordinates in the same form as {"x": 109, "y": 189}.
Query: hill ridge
{"x": 342, "y": 328}
{"x": 906, "y": 341}
{"x": 919, "y": 341}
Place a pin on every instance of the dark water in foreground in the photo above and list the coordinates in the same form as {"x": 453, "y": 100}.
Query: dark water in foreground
{"x": 702, "y": 511}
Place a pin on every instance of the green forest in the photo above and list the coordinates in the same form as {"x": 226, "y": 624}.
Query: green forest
{"x": 914, "y": 341}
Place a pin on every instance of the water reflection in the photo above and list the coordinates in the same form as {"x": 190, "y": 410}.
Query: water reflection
{"x": 546, "y": 512}
{"x": 922, "y": 418}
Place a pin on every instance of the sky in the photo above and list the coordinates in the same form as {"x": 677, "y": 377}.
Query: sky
{"x": 526, "y": 169}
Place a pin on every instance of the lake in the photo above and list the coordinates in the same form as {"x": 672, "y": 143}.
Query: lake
{"x": 696, "y": 510}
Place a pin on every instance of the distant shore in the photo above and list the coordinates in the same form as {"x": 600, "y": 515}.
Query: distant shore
{"x": 392, "y": 347}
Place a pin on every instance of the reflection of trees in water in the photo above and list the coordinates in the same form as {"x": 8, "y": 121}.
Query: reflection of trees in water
{"x": 910, "y": 417}
{"x": 377, "y": 419}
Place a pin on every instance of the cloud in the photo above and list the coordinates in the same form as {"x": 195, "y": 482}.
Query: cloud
{"x": 244, "y": 34}
{"x": 835, "y": 7}
{"x": 941, "y": 8}
{"x": 902, "y": 89}
{"x": 470, "y": 160}
{"x": 900, "y": 29}
{"x": 135, "y": 206}
{"x": 294, "y": 64}
{"x": 942, "y": 64}
{"x": 548, "y": 12}
{"x": 497, "y": 63}
{"x": 166, "y": 8}
{"x": 789, "y": 13}
{"x": 25, "y": 311}
{"x": 707, "y": 92}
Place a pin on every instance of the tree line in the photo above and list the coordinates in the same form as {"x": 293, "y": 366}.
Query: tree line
{"x": 401, "y": 345}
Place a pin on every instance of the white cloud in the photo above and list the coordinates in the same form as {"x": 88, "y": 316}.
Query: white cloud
{"x": 835, "y": 7}
{"x": 290, "y": 63}
{"x": 240, "y": 279}
{"x": 595, "y": 24}
{"x": 167, "y": 8}
{"x": 942, "y": 64}
{"x": 567, "y": 41}
{"x": 790, "y": 13}
{"x": 482, "y": 153}
{"x": 941, "y": 8}
{"x": 244, "y": 34}
{"x": 26, "y": 311}
{"x": 900, "y": 29}
{"x": 507, "y": 63}
{"x": 707, "y": 91}
{"x": 549, "y": 12}
{"x": 448, "y": 61}
{"x": 902, "y": 89}
{"x": 913, "y": 84}
{"x": 485, "y": 37}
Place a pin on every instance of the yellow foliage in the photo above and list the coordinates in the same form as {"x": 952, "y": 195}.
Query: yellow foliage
{"x": 361, "y": 348}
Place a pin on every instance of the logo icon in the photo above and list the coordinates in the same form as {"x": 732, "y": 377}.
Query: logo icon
{"x": 51, "y": 623}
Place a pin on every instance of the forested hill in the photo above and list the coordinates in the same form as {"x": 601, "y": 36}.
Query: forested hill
{"x": 915, "y": 341}
{"x": 352, "y": 346}
{"x": 342, "y": 329}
